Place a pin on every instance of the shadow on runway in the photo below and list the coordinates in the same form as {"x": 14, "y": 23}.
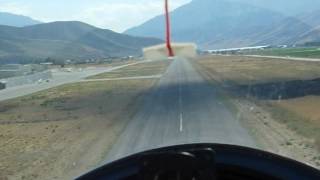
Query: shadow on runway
{"x": 278, "y": 90}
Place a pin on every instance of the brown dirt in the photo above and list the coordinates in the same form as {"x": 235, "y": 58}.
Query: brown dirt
{"x": 275, "y": 136}
{"x": 65, "y": 131}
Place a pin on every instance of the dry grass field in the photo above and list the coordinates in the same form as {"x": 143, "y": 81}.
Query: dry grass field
{"x": 307, "y": 107}
{"x": 65, "y": 131}
{"x": 243, "y": 70}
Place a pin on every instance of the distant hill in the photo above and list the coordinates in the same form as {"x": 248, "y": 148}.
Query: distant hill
{"x": 66, "y": 40}
{"x": 311, "y": 18}
{"x": 226, "y": 24}
{"x": 312, "y": 35}
{"x": 287, "y": 7}
{"x": 9, "y": 19}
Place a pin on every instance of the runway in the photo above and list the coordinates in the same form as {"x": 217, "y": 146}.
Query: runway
{"x": 182, "y": 108}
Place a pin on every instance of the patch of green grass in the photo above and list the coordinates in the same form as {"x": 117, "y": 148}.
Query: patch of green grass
{"x": 292, "y": 52}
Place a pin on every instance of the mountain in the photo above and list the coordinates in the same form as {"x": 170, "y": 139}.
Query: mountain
{"x": 311, "y": 18}
{"x": 287, "y": 7}
{"x": 9, "y": 19}
{"x": 66, "y": 40}
{"x": 310, "y": 37}
{"x": 225, "y": 24}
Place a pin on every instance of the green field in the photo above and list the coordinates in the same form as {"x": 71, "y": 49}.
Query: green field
{"x": 313, "y": 52}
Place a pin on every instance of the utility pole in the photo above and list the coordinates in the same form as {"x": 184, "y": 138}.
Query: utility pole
{"x": 168, "y": 31}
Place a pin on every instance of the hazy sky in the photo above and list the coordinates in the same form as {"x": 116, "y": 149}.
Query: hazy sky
{"x": 117, "y": 15}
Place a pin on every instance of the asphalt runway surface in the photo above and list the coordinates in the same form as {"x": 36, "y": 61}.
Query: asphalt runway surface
{"x": 182, "y": 108}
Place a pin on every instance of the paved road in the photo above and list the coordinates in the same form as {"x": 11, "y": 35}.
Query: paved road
{"x": 59, "y": 78}
{"x": 183, "y": 108}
